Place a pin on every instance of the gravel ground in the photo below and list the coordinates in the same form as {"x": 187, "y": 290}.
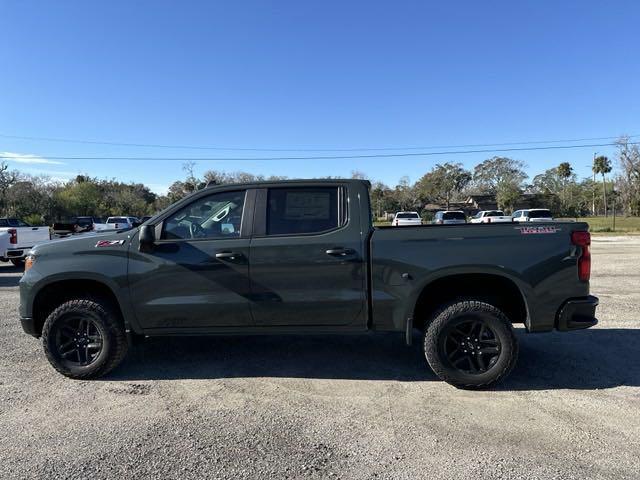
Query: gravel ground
{"x": 355, "y": 407}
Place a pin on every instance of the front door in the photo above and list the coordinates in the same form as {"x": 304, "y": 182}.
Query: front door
{"x": 197, "y": 275}
{"x": 307, "y": 259}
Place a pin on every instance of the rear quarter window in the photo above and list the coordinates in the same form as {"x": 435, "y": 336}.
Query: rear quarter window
{"x": 540, "y": 214}
{"x": 454, "y": 216}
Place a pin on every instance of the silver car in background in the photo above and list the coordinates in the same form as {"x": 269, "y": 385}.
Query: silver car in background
{"x": 450, "y": 217}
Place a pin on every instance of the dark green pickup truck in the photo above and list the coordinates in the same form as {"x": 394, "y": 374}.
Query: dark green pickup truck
{"x": 303, "y": 257}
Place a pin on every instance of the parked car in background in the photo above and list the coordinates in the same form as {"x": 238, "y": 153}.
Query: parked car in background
{"x": 120, "y": 223}
{"x": 79, "y": 225}
{"x": 450, "y": 217}
{"x": 22, "y": 237}
{"x": 402, "y": 219}
{"x": 490, "y": 216}
{"x": 532, "y": 215}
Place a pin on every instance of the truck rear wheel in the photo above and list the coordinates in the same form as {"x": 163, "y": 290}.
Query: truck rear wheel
{"x": 470, "y": 344}
{"x": 84, "y": 338}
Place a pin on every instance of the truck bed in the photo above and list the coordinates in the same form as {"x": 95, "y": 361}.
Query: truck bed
{"x": 537, "y": 262}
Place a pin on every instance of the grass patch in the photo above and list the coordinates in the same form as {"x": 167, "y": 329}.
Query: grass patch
{"x": 605, "y": 225}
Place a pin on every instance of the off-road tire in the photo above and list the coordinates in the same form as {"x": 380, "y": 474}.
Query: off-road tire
{"x": 443, "y": 320}
{"x": 108, "y": 321}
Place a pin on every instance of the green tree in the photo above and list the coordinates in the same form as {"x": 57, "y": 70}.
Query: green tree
{"x": 501, "y": 176}
{"x": 628, "y": 180}
{"x": 443, "y": 182}
{"x": 602, "y": 166}
{"x": 7, "y": 179}
{"x": 565, "y": 172}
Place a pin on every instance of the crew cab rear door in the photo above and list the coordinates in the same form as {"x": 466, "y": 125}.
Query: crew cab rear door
{"x": 307, "y": 258}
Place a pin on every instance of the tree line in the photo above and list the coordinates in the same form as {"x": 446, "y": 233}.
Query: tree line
{"x": 614, "y": 184}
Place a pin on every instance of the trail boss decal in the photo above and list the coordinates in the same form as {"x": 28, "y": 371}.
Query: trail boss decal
{"x": 538, "y": 230}
{"x": 109, "y": 243}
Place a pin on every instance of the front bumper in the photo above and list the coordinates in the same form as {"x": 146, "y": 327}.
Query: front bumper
{"x": 577, "y": 313}
{"x": 29, "y": 326}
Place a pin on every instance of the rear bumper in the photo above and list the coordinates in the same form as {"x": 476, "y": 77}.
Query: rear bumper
{"x": 577, "y": 313}
{"x": 29, "y": 326}
{"x": 17, "y": 252}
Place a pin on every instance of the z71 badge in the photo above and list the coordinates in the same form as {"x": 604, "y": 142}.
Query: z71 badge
{"x": 531, "y": 230}
{"x": 109, "y": 243}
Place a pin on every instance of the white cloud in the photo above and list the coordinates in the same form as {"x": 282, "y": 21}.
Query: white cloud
{"x": 28, "y": 158}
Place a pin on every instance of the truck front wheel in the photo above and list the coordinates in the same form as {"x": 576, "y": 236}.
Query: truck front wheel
{"x": 470, "y": 344}
{"x": 84, "y": 338}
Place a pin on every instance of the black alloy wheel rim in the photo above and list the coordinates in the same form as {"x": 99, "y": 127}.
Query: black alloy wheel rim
{"x": 78, "y": 341}
{"x": 471, "y": 346}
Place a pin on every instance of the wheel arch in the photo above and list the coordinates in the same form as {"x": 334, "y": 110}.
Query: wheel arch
{"x": 56, "y": 292}
{"x": 499, "y": 290}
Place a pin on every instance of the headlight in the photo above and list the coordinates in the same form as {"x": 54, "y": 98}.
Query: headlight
{"x": 28, "y": 262}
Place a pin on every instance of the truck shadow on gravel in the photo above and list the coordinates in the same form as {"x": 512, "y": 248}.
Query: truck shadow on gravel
{"x": 589, "y": 359}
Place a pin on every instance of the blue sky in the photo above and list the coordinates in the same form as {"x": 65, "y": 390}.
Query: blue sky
{"x": 305, "y": 75}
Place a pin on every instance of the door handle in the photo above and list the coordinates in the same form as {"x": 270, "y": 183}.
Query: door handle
{"x": 228, "y": 255}
{"x": 340, "y": 252}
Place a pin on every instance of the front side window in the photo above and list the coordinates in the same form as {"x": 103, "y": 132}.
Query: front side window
{"x": 215, "y": 216}
{"x": 300, "y": 210}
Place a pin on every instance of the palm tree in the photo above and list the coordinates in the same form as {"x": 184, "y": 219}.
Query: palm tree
{"x": 565, "y": 171}
{"x": 602, "y": 166}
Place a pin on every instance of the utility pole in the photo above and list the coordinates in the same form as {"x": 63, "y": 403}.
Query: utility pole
{"x": 593, "y": 206}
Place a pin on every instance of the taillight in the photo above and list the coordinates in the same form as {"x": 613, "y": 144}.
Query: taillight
{"x": 583, "y": 240}
{"x": 13, "y": 238}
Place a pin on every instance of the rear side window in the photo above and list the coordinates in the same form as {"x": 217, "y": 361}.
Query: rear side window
{"x": 539, "y": 214}
{"x": 454, "y": 216}
{"x": 301, "y": 210}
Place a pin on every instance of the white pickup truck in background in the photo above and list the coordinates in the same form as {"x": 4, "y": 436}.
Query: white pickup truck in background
{"x": 122, "y": 223}
{"x": 22, "y": 237}
{"x": 490, "y": 216}
{"x": 403, "y": 219}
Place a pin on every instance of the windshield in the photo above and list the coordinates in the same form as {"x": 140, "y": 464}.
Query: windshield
{"x": 453, "y": 216}
{"x": 83, "y": 221}
{"x": 539, "y": 214}
{"x": 117, "y": 220}
{"x": 407, "y": 215}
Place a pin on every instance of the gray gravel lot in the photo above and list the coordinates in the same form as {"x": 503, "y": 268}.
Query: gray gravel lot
{"x": 354, "y": 407}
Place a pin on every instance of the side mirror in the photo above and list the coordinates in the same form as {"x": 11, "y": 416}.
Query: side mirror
{"x": 146, "y": 238}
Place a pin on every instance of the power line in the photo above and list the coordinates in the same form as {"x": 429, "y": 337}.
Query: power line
{"x": 328, "y": 157}
{"x": 196, "y": 147}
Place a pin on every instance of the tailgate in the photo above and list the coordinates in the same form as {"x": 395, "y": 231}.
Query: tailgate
{"x": 29, "y": 236}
